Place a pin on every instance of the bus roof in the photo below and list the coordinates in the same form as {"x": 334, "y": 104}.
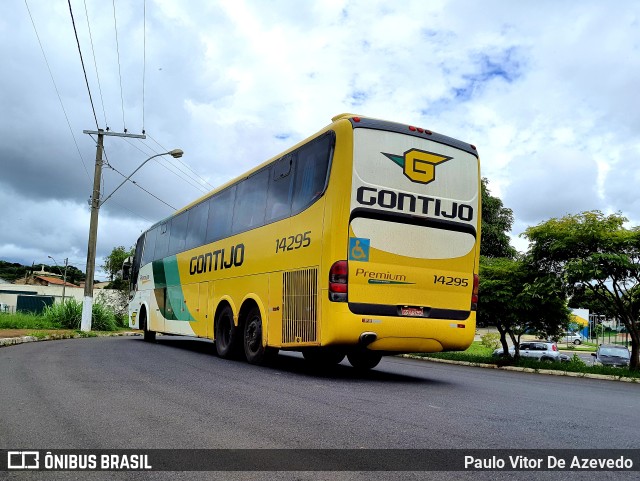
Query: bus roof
{"x": 357, "y": 121}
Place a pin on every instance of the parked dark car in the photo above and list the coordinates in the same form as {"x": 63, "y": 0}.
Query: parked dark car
{"x": 611, "y": 355}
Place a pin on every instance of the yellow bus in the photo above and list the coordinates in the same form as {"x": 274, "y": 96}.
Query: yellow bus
{"x": 360, "y": 241}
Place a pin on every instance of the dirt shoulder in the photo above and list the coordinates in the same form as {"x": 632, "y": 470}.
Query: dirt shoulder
{"x": 55, "y": 333}
{"x": 6, "y": 333}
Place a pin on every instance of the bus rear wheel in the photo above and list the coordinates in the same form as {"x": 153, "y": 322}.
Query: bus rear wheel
{"x": 226, "y": 334}
{"x": 364, "y": 360}
{"x": 254, "y": 350}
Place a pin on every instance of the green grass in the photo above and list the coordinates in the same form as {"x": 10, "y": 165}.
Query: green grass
{"x": 479, "y": 354}
{"x": 39, "y": 334}
{"x": 26, "y": 321}
{"x": 62, "y": 317}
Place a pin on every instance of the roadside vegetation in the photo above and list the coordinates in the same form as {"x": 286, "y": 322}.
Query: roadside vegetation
{"x": 482, "y": 354}
{"x": 67, "y": 315}
{"x": 588, "y": 260}
{"x": 22, "y": 320}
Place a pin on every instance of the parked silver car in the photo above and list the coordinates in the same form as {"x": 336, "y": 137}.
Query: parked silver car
{"x": 611, "y": 355}
{"x": 572, "y": 337}
{"x": 542, "y": 350}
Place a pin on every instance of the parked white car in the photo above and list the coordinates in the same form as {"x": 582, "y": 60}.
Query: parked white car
{"x": 542, "y": 350}
{"x": 572, "y": 337}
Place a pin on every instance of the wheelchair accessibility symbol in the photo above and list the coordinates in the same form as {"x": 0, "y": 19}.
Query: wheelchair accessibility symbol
{"x": 358, "y": 249}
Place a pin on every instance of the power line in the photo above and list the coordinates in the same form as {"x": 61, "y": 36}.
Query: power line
{"x": 57, "y": 91}
{"x": 140, "y": 187}
{"x": 189, "y": 180}
{"x": 82, "y": 62}
{"x": 95, "y": 64}
{"x": 186, "y": 165}
{"x": 170, "y": 166}
{"x": 115, "y": 24}
{"x": 132, "y": 212}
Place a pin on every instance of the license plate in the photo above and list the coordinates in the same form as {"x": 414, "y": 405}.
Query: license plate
{"x": 411, "y": 311}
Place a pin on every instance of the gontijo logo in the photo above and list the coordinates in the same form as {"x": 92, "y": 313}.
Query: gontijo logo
{"x": 418, "y": 165}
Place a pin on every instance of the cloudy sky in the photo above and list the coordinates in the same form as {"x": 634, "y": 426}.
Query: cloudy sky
{"x": 547, "y": 90}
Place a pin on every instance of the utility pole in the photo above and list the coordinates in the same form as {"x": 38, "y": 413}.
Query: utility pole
{"x": 64, "y": 275}
{"x": 87, "y": 303}
{"x": 64, "y": 278}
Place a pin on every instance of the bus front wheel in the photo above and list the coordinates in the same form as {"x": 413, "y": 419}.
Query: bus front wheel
{"x": 364, "y": 359}
{"x": 147, "y": 335}
{"x": 226, "y": 333}
{"x": 254, "y": 350}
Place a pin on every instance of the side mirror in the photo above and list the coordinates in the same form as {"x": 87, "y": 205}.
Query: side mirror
{"x": 126, "y": 269}
{"x": 593, "y": 354}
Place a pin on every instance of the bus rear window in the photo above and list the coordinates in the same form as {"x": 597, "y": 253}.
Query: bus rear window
{"x": 311, "y": 171}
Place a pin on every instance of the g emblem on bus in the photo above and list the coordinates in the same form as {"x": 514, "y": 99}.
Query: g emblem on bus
{"x": 418, "y": 165}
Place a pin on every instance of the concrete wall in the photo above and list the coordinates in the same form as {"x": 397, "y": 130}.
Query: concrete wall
{"x": 9, "y": 298}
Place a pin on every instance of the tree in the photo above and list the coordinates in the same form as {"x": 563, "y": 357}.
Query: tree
{"x": 496, "y": 223}
{"x": 595, "y": 254}
{"x": 113, "y": 262}
{"x": 517, "y": 298}
{"x": 75, "y": 275}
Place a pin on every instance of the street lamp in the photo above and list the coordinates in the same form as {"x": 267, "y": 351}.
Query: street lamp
{"x": 87, "y": 304}
{"x": 64, "y": 276}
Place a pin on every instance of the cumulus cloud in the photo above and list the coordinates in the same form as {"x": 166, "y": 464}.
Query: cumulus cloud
{"x": 545, "y": 93}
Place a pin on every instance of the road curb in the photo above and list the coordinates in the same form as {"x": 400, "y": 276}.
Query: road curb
{"x": 550, "y": 372}
{"x": 11, "y": 341}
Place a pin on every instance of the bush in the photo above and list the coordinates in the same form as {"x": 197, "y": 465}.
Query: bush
{"x": 576, "y": 362}
{"x": 122, "y": 320}
{"x": 68, "y": 315}
{"x": 491, "y": 340}
{"x": 103, "y": 318}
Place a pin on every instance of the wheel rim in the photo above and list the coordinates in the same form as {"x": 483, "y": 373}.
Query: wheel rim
{"x": 253, "y": 336}
{"x": 225, "y": 331}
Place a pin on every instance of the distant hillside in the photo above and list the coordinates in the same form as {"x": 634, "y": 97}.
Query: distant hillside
{"x": 11, "y": 271}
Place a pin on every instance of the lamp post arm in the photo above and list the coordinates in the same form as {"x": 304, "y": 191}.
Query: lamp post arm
{"x": 129, "y": 177}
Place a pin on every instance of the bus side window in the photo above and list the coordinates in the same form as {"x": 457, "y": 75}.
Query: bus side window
{"x": 197, "y": 225}
{"x": 178, "y": 233}
{"x": 279, "y": 197}
{"x": 220, "y": 215}
{"x": 311, "y": 171}
{"x": 251, "y": 200}
{"x": 149, "y": 246}
{"x": 162, "y": 241}
{"x": 137, "y": 257}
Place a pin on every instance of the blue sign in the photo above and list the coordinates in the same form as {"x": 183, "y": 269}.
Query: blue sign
{"x": 359, "y": 249}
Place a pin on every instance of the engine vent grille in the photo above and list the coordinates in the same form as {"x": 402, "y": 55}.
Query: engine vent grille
{"x": 299, "y": 306}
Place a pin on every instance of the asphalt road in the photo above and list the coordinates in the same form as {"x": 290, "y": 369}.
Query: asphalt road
{"x": 106, "y": 393}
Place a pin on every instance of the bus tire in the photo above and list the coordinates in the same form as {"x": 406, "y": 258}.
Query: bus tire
{"x": 147, "y": 335}
{"x": 323, "y": 357}
{"x": 364, "y": 359}
{"x": 226, "y": 334}
{"x": 254, "y": 350}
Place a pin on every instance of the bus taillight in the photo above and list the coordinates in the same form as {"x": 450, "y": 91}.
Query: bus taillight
{"x": 338, "y": 277}
{"x": 474, "y": 294}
